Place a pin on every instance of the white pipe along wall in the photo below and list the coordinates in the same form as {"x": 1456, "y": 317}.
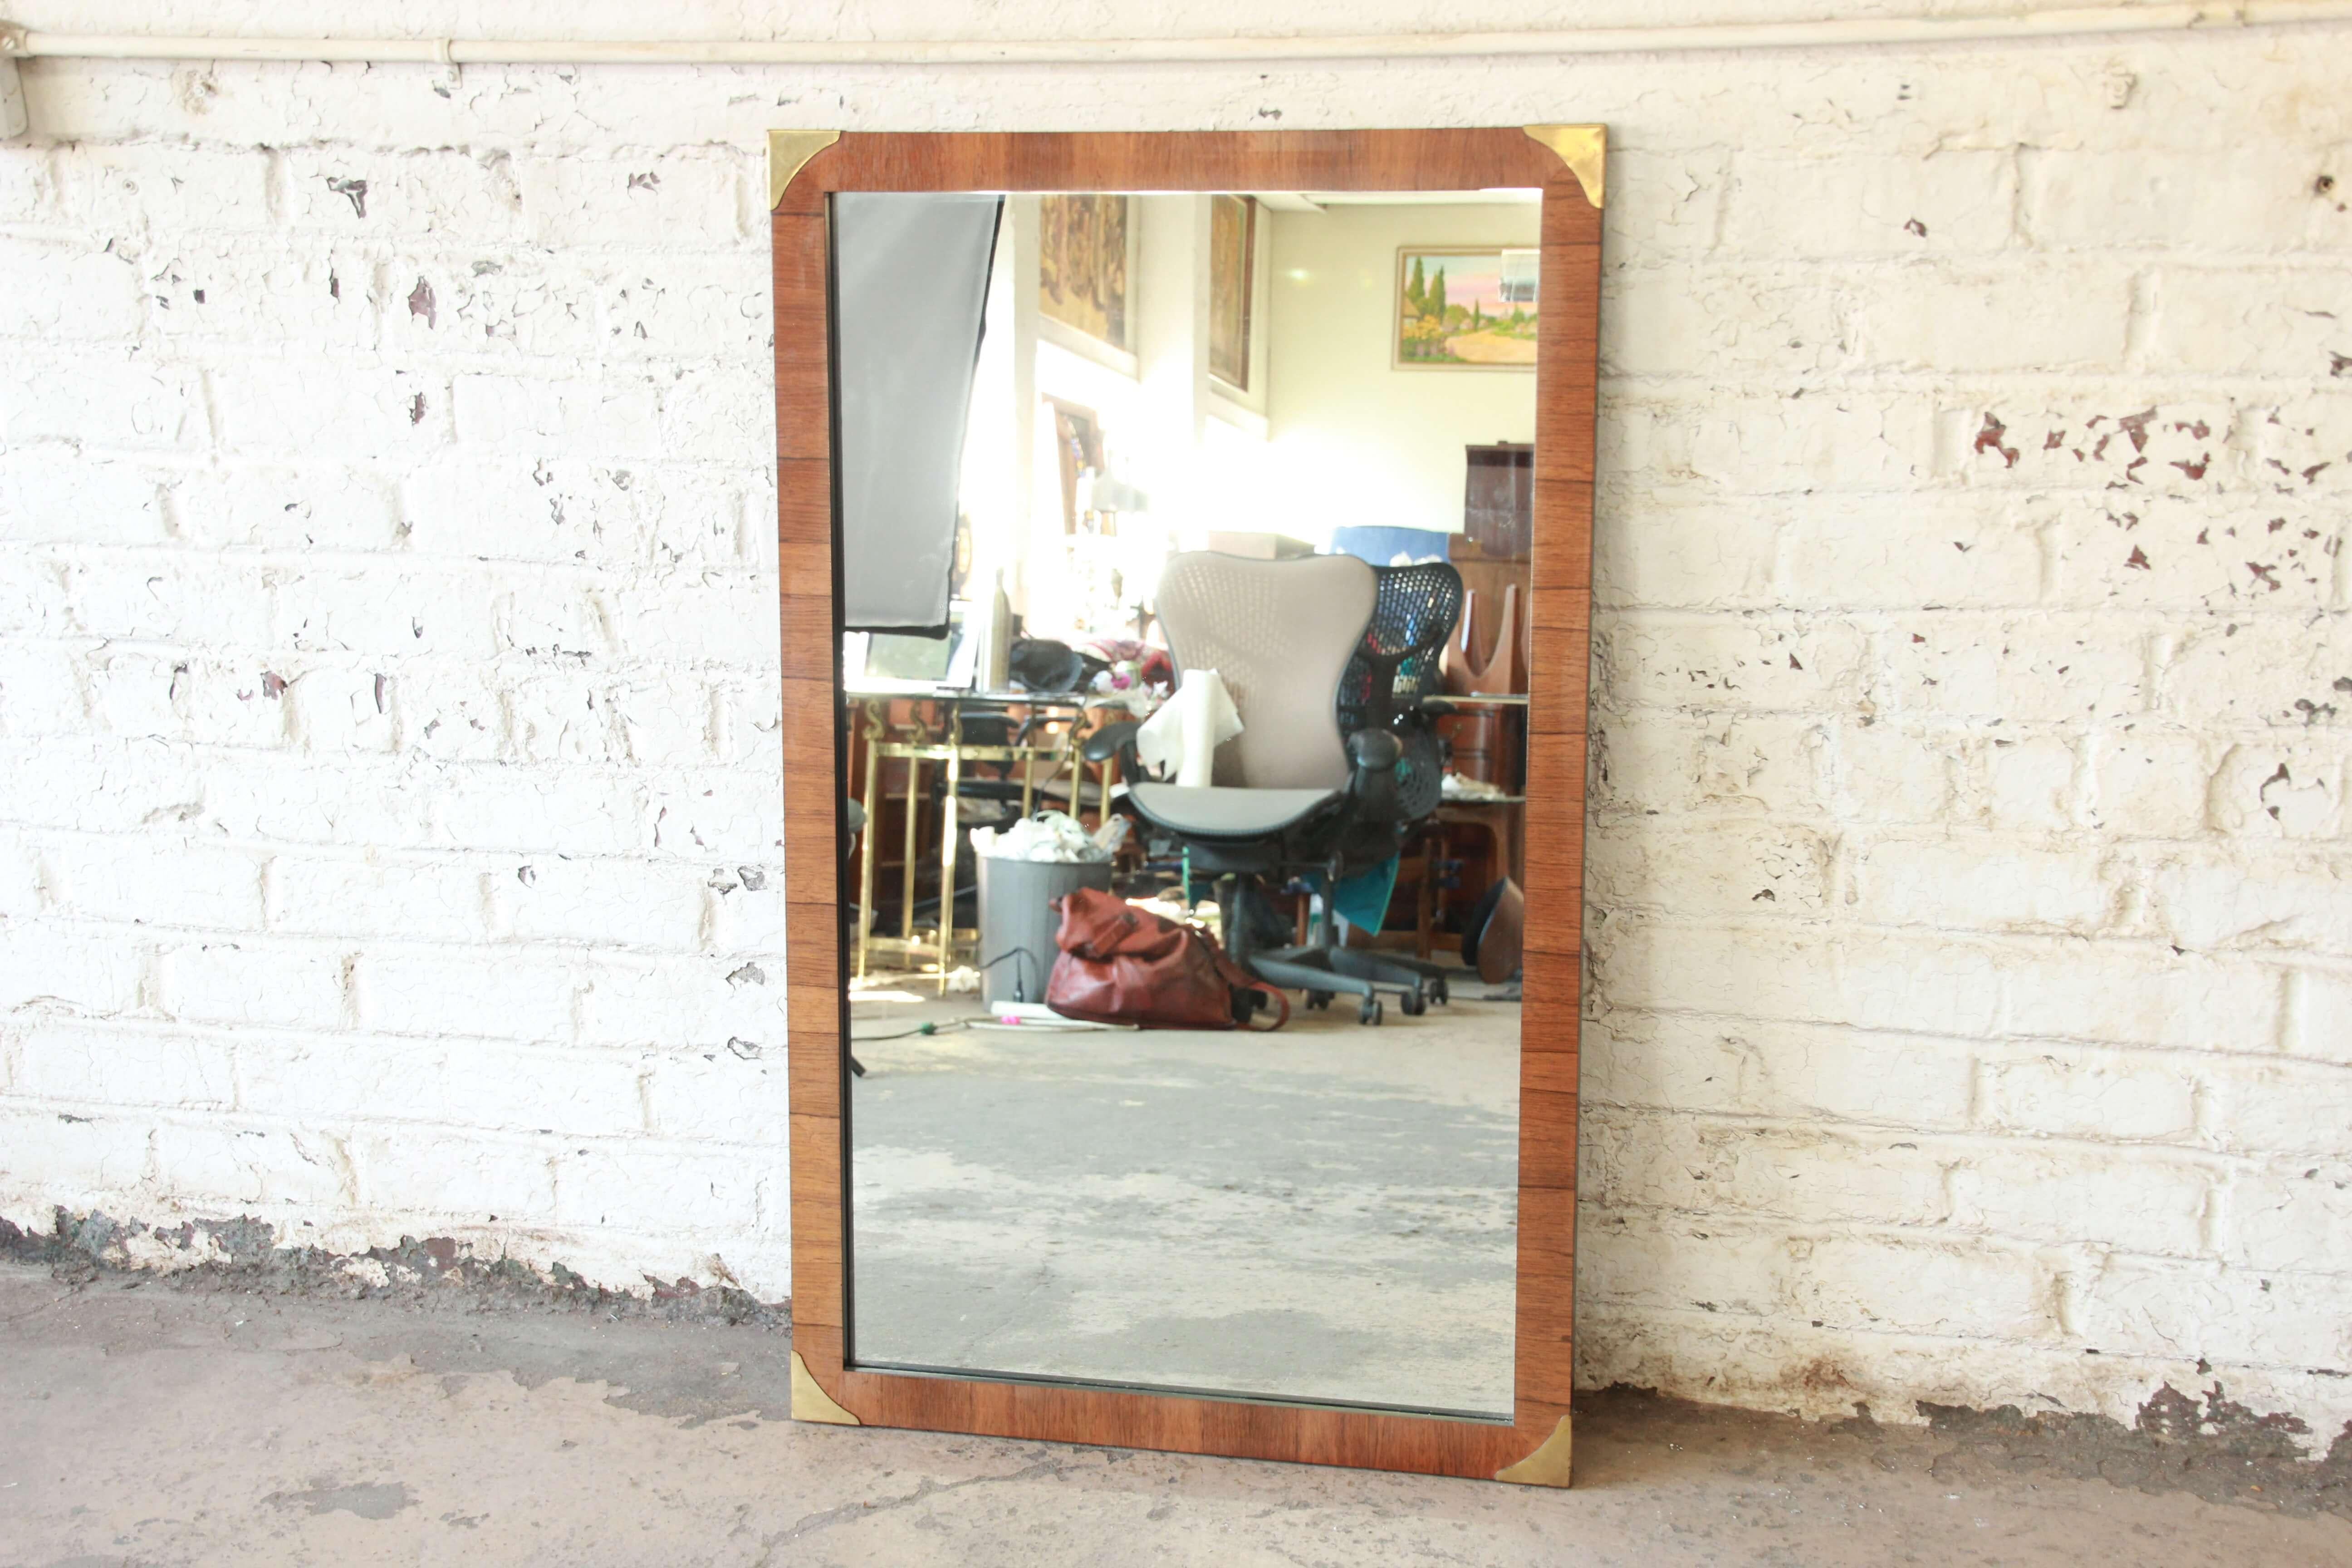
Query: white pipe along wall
{"x": 390, "y": 802}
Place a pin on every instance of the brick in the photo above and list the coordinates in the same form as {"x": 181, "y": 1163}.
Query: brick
{"x": 465, "y": 196}
{"x": 2290, "y": 788}
{"x": 2117, "y": 443}
{"x": 523, "y": 305}
{"x": 2151, "y": 780}
{"x": 719, "y": 619}
{"x": 278, "y": 507}
{"x": 385, "y": 610}
{"x": 671, "y": 198}
{"x": 268, "y": 984}
{"x": 2140, "y": 995}
{"x": 2291, "y": 1219}
{"x": 2053, "y": 316}
{"x": 2319, "y": 1010}
{"x": 2240, "y": 896}
{"x": 619, "y": 417}
{"x": 56, "y": 494}
{"x": 1791, "y": 1071}
{"x": 1667, "y": 1261}
{"x": 2181, "y": 1310}
{"x": 1868, "y": 979}
{"x": 1765, "y": 764}
{"x": 2273, "y": 555}
{"x": 1730, "y": 869}
{"x": 2030, "y": 784}
{"x": 2144, "y": 1203}
{"x": 1751, "y": 446}
{"x": 274, "y": 1168}
{"x": 1699, "y": 1167}
{"x": 2047, "y": 668}
{"x": 155, "y": 185}
{"x": 222, "y": 294}
{"x": 1672, "y": 197}
{"x": 87, "y": 969}
{"x": 1883, "y": 1284}
{"x": 1705, "y": 554}
{"x": 1976, "y": 883}
{"x": 1879, "y": 551}
{"x": 139, "y": 693}
{"x": 124, "y": 1064}
{"x": 680, "y": 1004}
{"x": 353, "y": 804}
{"x": 690, "y": 1189}
{"x": 119, "y": 401}
{"x": 2293, "y": 671}
{"x": 508, "y": 505}
{"x": 157, "y": 880}
{"x": 624, "y": 902}
{"x": 2243, "y": 198}
{"x": 2244, "y": 320}
{"x": 482, "y": 1084}
{"x": 1884, "y": 772}
{"x": 412, "y": 899}
{"x": 543, "y": 812}
{"x": 716, "y": 1097}
{"x": 2279, "y": 1107}
{"x": 336, "y": 710}
{"x": 498, "y": 993}
{"x": 1892, "y": 205}
{"x": 430, "y": 1172}
{"x": 175, "y": 598}
{"x": 64, "y": 1156}
{"x": 1741, "y": 663}
{"x": 350, "y": 410}
{"x": 686, "y": 306}
{"x": 1718, "y": 320}
{"x": 63, "y": 292}
{"x": 734, "y": 814}
{"x": 2108, "y": 1096}
{"x": 41, "y": 691}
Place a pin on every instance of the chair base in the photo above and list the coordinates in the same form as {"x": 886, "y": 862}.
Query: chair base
{"x": 1325, "y": 972}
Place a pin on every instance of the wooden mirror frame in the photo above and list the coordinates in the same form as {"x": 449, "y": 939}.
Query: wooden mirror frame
{"x": 1566, "y": 162}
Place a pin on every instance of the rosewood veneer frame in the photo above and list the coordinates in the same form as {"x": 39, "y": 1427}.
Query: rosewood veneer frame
{"x": 1566, "y": 162}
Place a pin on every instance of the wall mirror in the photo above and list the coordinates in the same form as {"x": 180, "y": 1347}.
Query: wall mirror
{"x": 1188, "y": 528}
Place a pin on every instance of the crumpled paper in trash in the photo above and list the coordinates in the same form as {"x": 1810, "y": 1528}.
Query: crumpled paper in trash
{"x": 1054, "y": 835}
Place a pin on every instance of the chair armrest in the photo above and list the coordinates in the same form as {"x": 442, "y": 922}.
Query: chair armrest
{"x": 1374, "y": 755}
{"x": 1110, "y": 741}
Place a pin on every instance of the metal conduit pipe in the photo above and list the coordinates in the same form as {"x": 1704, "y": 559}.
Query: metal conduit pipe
{"x": 1825, "y": 33}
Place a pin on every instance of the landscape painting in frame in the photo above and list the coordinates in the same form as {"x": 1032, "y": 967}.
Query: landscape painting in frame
{"x": 1460, "y": 308}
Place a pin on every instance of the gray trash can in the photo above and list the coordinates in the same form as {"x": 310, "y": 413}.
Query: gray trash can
{"x": 1017, "y": 921}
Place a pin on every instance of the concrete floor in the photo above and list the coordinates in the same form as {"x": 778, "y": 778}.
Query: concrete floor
{"x": 148, "y": 1423}
{"x": 1284, "y": 1213}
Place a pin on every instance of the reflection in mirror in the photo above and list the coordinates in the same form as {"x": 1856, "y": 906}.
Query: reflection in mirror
{"x": 1185, "y": 544}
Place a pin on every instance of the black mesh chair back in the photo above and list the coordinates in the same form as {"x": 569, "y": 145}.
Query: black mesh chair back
{"x": 1396, "y": 665}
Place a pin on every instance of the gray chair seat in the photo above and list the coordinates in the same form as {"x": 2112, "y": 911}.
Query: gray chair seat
{"x": 1219, "y": 811}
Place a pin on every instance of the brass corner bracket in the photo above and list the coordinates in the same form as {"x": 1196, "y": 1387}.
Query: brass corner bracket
{"x": 1583, "y": 148}
{"x": 811, "y": 1403}
{"x": 1546, "y": 1466}
{"x": 788, "y": 151}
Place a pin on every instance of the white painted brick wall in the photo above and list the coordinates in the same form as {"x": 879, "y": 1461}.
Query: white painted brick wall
{"x": 388, "y": 838}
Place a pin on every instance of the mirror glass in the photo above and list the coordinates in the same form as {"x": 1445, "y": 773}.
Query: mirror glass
{"x": 1185, "y": 608}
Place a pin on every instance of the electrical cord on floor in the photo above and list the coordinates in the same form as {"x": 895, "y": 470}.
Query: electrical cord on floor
{"x": 856, "y": 1039}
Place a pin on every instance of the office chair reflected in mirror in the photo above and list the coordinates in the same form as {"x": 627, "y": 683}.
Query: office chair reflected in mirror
{"x": 1332, "y": 665}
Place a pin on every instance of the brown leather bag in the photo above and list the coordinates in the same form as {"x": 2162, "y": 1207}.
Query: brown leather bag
{"x": 1120, "y": 964}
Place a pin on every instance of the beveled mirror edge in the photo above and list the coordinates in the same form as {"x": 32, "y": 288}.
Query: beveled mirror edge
{"x": 1533, "y": 1448}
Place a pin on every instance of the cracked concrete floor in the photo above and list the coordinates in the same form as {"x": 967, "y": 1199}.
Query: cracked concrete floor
{"x": 147, "y": 1423}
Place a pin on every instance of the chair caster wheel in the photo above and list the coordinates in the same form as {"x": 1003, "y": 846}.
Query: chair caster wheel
{"x": 1439, "y": 994}
{"x": 1414, "y": 1003}
{"x": 1318, "y": 998}
{"x": 1369, "y": 1013}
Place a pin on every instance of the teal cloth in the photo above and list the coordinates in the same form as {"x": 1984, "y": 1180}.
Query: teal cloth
{"x": 1362, "y": 900}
